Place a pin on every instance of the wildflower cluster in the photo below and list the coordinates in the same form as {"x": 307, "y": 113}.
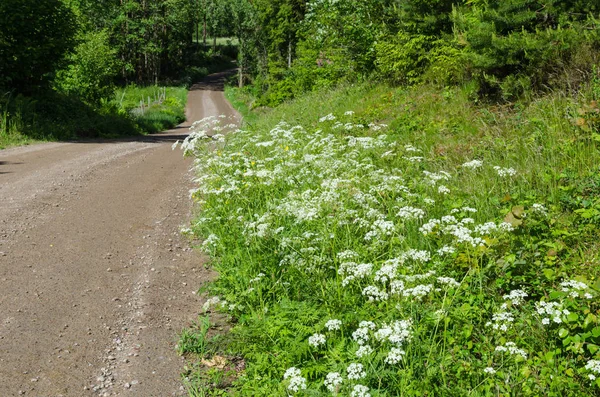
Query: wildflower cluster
{"x": 366, "y": 257}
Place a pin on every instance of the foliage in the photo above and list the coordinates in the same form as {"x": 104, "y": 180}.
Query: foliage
{"x": 34, "y": 37}
{"x": 518, "y": 45}
{"x": 58, "y": 116}
{"x": 91, "y": 69}
{"x": 426, "y": 17}
{"x": 152, "y": 108}
{"x": 508, "y": 48}
{"x": 454, "y": 243}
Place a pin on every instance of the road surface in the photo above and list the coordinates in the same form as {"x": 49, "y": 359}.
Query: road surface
{"x": 95, "y": 279}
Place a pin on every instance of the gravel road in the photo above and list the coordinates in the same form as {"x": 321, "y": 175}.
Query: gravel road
{"x": 95, "y": 280}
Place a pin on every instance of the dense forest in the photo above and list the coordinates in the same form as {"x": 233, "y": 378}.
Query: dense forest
{"x": 284, "y": 47}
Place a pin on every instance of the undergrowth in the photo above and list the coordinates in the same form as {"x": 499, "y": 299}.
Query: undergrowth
{"x": 52, "y": 116}
{"x": 153, "y": 108}
{"x": 373, "y": 241}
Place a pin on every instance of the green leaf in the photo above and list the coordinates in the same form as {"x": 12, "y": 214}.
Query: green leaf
{"x": 593, "y": 348}
{"x": 563, "y": 332}
{"x": 569, "y": 372}
{"x": 572, "y": 317}
{"x": 590, "y": 319}
{"x": 549, "y": 273}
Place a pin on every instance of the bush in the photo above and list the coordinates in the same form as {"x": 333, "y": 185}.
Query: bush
{"x": 408, "y": 59}
{"x": 91, "y": 70}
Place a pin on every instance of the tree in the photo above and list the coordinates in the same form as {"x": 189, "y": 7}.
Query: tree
{"x": 244, "y": 26}
{"x": 35, "y": 35}
{"x": 517, "y": 45}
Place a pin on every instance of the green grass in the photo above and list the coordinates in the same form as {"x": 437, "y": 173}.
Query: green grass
{"x": 153, "y": 108}
{"x": 374, "y": 218}
{"x": 10, "y": 130}
{"x": 221, "y": 41}
{"x": 240, "y": 102}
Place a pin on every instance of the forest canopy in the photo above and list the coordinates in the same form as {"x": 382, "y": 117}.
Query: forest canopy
{"x": 286, "y": 47}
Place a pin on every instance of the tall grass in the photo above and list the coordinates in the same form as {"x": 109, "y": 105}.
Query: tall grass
{"x": 153, "y": 108}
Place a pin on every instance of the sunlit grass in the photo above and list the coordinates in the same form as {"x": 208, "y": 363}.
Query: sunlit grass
{"x": 452, "y": 242}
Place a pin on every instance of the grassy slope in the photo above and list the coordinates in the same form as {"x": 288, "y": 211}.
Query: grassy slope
{"x": 280, "y": 268}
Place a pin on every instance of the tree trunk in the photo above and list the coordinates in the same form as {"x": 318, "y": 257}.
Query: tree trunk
{"x": 204, "y": 30}
{"x": 289, "y": 54}
{"x": 241, "y": 63}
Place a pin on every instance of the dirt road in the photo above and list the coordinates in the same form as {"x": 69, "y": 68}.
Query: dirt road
{"x": 95, "y": 280}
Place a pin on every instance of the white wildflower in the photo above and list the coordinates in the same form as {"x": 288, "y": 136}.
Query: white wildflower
{"x": 296, "y": 382}
{"x": 430, "y": 226}
{"x": 449, "y": 281}
{"x": 316, "y": 340}
{"x": 360, "y": 391}
{"x": 443, "y": 189}
{"x": 374, "y": 294}
{"x": 419, "y": 256}
{"x": 447, "y": 249}
{"x": 329, "y": 117}
{"x": 394, "y": 356}
{"x": 418, "y": 291}
{"x": 333, "y": 325}
{"x": 517, "y": 297}
{"x": 410, "y": 213}
{"x": 361, "y": 335}
{"x": 473, "y": 164}
{"x": 501, "y": 321}
{"x": 348, "y": 254}
{"x": 215, "y": 300}
{"x": 512, "y": 348}
{"x": 489, "y": 370}
{"x": 593, "y": 366}
{"x": 502, "y": 172}
{"x": 356, "y": 371}
{"x": 396, "y": 333}
{"x": 333, "y": 380}
{"x": 364, "y": 350}
{"x": 397, "y": 287}
{"x": 367, "y": 324}
{"x": 550, "y": 311}
{"x": 574, "y": 288}
{"x": 539, "y": 209}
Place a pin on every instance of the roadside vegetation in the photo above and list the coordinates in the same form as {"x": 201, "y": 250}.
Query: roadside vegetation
{"x": 411, "y": 207}
{"x": 132, "y": 111}
{"x": 402, "y": 241}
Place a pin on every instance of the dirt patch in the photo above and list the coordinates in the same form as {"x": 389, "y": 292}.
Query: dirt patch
{"x": 95, "y": 278}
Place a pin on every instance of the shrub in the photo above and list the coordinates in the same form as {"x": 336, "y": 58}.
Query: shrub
{"x": 91, "y": 69}
{"x": 515, "y": 46}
